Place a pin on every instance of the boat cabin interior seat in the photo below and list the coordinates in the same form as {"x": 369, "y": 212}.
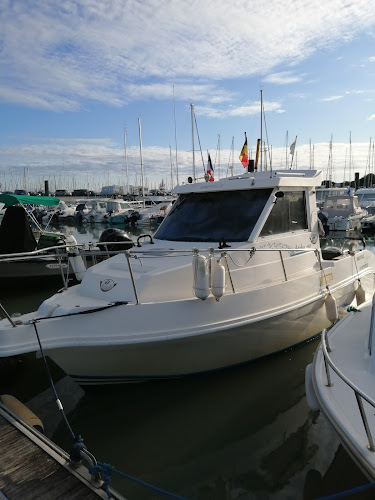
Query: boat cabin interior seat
{"x": 15, "y": 232}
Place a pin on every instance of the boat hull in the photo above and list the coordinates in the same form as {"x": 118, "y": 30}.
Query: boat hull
{"x": 107, "y": 342}
{"x": 177, "y": 357}
{"x": 181, "y": 351}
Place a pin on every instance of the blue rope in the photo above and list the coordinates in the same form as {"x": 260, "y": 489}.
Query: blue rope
{"x": 106, "y": 470}
{"x": 348, "y": 492}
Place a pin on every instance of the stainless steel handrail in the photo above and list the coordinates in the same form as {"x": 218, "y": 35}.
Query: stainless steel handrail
{"x": 359, "y": 394}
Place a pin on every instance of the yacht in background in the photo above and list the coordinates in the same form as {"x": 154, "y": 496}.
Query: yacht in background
{"x": 343, "y": 212}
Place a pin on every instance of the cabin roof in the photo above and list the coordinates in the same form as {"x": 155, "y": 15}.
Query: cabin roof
{"x": 256, "y": 180}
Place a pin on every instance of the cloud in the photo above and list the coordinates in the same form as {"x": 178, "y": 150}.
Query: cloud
{"x": 332, "y": 98}
{"x": 282, "y": 78}
{"x": 69, "y": 164}
{"x": 59, "y": 55}
{"x": 210, "y": 93}
{"x": 238, "y": 111}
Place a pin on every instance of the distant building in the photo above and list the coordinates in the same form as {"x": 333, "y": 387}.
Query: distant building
{"x": 114, "y": 190}
{"x": 137, "y": 190}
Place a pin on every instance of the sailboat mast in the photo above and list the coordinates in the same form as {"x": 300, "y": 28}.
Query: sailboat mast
{"x": 126, "y": 163}
{"x": 140, "y": 150}
{"x": 286, "y": 150}
{"x": 231, "y": 159}
{"x": 350, "y": 157}
{"x": 261, "y": 129}
{"x": 175, "y": 135}
{"x": 219, "y": 147}
{"x": 170, "y": 157}
{"x": 192, "y": 137}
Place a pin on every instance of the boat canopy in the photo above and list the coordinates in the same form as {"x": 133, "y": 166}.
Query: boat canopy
{"x": 14, "y": 199}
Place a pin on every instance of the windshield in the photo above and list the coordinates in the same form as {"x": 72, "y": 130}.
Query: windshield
{"x": 216, "y": 216}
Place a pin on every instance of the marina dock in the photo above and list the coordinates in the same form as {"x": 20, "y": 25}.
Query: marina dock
{"x": 33, "y": 467}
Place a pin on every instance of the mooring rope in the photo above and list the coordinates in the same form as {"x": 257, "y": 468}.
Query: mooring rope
{"x": 346, "y": 493}
{"x": 106, "y": 470}
{"x": 58, "y": 402}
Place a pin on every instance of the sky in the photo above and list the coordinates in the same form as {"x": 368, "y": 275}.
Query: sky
{"x": 99, "y": 92}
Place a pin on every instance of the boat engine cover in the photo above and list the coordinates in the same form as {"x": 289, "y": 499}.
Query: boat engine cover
{"x": 115, "y": 235}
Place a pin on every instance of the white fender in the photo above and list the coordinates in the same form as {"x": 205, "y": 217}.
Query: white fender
{"x": 321, "y": 228}
{"x": 360, "y": 295}
{"x": 75, "y": 258}
{"x": 331, "y": 308}
{"x": 201, "y": 276}
{"x": 22, "y": 411}
{"x": 217, "y": 279}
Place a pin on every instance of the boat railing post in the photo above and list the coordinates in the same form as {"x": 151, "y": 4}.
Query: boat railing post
{"x": 65, "y": 280}
{"x": 365, "y": 423}
{"x": 7, "y": 316}
{"x": 282, "y": 263}
{"x": 372, "y": 325}
{"x": 127, "y": 253}
{"x": 224, "y": 254}
{"x": 329, "y": 382}
{"x": 325, "y": 336}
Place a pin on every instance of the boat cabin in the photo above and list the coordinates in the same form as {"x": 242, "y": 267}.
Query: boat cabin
{"x": 240, "y": 209}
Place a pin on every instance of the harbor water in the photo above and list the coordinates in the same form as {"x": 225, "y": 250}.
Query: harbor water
{"x": 240, "y": 434}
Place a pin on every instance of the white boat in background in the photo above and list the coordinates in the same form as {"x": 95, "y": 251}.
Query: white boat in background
{"x": 123, "y": 212}
{"x": 368, "y": 222}
{"x": 29, "y": 253}
{"x": 66, "y": 212}
{"x": 235, "y": 272}
{"x": 343, "y": 212}
{"x": 32, "y": 254}
{"x": 98, "y": 212}
{"x": 341, "y": 383}
{"x": 365, "y": 196}
{"x": 153, "y": 214}
{"x": 322, "y": 193}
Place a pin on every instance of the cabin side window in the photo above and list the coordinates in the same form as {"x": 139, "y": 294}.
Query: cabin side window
{"x": 288, "y": 214}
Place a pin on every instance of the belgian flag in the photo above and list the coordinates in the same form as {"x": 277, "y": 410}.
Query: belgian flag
{"x": 244, "y": 156}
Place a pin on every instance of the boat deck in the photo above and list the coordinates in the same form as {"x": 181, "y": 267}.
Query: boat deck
{"x": 32, "y": 467}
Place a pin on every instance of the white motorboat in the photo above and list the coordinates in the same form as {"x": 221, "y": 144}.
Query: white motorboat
{"x": 323, "y": 192}
{"x": 368, "y": 222}
{"x": 153, "y": 214}
{"x": 341, "y": 383}
{"x": 343, "y": 212}
{"x": 98, "y": 213}
{"x": 123, "y": 212}
{"x": 234, "y": 273}
{"x": 365, "y": 195}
